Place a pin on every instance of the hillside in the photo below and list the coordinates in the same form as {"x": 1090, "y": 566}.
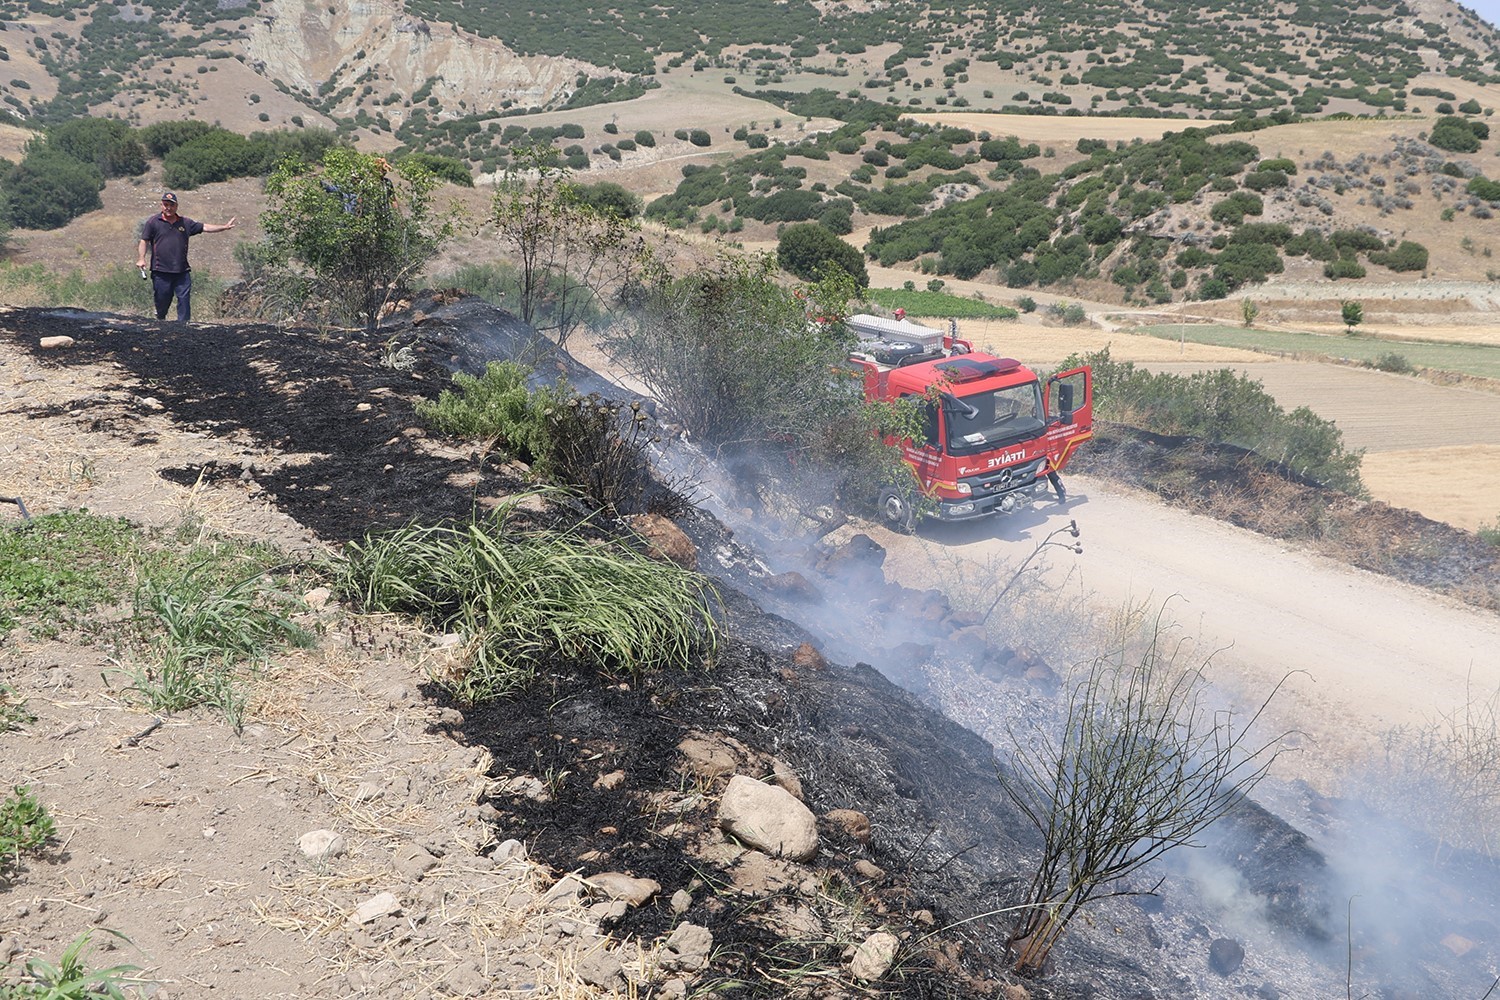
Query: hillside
{"x": 564, "y": 841}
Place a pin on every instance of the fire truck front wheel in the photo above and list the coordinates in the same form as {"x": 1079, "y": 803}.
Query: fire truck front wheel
{"x": 897, "y": 512}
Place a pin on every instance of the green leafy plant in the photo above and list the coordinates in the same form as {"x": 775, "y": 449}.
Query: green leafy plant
{"x": 60, "y": 564}
{"x": 71, "y": 978}
{"x": 525, "y": 599}
{"x": 25, "y": 826}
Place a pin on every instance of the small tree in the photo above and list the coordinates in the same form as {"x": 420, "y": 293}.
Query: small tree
{"x": 570, "y": 252}
{"x": 1248, "y": 311}
{"x": 760, "y": 372}
{"x": 1353, "y": 314}
{"x": 362, "y": 228}
{"x": 1140, "y": 766}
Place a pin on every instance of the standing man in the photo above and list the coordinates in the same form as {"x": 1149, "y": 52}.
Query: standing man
{"x": 166, "y": 237}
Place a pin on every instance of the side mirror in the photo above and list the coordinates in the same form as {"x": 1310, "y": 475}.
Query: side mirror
{"x": 1065, "y": 401}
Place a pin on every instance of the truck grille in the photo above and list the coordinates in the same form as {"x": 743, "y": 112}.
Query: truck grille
{"x": 1004, "y": 480}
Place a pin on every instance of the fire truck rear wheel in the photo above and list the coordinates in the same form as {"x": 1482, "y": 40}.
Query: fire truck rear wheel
{"x": 897, "y": 512}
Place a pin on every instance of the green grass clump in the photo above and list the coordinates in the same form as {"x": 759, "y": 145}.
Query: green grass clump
{"x": 202, "y": 630}
{"x": 938, "y": 304}
{"x": 523, "y": 599}
{"x": 61, "y": 564}
{"x": 202, "y": 607}
{"x": 1490, "y": 532}
{"x": 71, "y": 978}
{"x": 24, "y": 826}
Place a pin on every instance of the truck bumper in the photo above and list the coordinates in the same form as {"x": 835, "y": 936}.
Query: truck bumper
{"x": 1000, "y": 503}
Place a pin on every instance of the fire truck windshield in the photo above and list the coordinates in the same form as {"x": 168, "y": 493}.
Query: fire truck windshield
{"x": 993, "y": 417}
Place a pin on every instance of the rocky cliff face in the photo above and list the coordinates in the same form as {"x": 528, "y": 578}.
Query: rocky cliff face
{"x": 308, "y": 45}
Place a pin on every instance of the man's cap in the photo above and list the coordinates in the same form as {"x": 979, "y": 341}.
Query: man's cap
{"x": 169, "y": 196}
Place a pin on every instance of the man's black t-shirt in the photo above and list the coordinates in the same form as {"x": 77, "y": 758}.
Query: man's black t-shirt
{"x": 169, "y": 242}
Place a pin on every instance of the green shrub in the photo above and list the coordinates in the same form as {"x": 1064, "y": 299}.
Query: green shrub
{"x": 1344, "y": 267}
{"x": 1408, "y": 256}
{"x": 1394, "y": 363}
{"x": 1223, "y": 407}
{"x": 1455, "y": 134}
{"x": 805, "y": 249}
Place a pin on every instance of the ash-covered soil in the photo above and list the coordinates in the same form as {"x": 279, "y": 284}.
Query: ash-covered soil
{"x": 591, "y": 775}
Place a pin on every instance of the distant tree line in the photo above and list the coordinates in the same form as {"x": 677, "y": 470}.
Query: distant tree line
{"x": 66, "y": 166}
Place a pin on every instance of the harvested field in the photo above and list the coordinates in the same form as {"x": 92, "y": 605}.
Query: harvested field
{"x": 1462, "y": 481}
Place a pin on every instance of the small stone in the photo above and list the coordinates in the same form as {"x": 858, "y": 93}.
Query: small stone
{"x": 152, "y": 403}
{"x": 617, "y": 885}
{"x": 609, "y": 782}
{"x": 54, "y": 343}
{"x": 414, "y": 862}
{"x": 320, "y": 845}
{"x": 1458, "y": 945}
{"x": 366, "y": 792}
{"x": 875, "y": 956}
{"x": 602, "y": 969}
{"x": 682, "y": 901}
{"x": 869, "y": 870}
{"x": 769, "y": 819}
{"x": 565, "y": 893}
{"x": 687, "y": 949}
{"x": 852, "y": 822}
{"x": 783, "y": 775}
{"x": 1225, "y": 956}
{"x": 317, "y": 597}
{"x": 362, "y": 407}
{"x": 808, "y": 658}
{"x": 509, "y": 850}
{"x": 384, "y": 904}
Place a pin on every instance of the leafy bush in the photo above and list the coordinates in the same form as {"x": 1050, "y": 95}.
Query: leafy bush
{"x": 1223, "y": 407}
{"x": 108, "y": 144}
{"x": 607, "y": 196}
{"x": 1408, "y": 256}
{"x": 525, "y": 600}
{"x": 49, "y": 188}
{"x": 699, "y": 137}
{"x": 1344, "y": 267}
{"x": 1481, "y": 187}
{"x": 806, "y": 249}
{"x": 442, "y": 167}
{"x": 1455, "y": 134}
{"x": 1394, "y": 363}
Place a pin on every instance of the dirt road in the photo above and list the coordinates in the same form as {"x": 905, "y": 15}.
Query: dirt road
{"x": 1372, "y": 653}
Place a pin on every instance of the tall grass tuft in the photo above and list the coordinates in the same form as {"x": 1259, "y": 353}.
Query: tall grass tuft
{"x": 524, "y": 599}
{"x": 203, "y": 630}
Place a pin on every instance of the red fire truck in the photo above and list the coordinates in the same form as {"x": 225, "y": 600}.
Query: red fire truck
{"x": 994, "y": 435}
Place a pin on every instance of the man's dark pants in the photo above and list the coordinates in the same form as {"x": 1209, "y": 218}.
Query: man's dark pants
{"x": 165, "y": 287}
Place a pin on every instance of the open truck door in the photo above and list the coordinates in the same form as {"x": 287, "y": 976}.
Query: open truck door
{"x": 1069, "y": 398}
